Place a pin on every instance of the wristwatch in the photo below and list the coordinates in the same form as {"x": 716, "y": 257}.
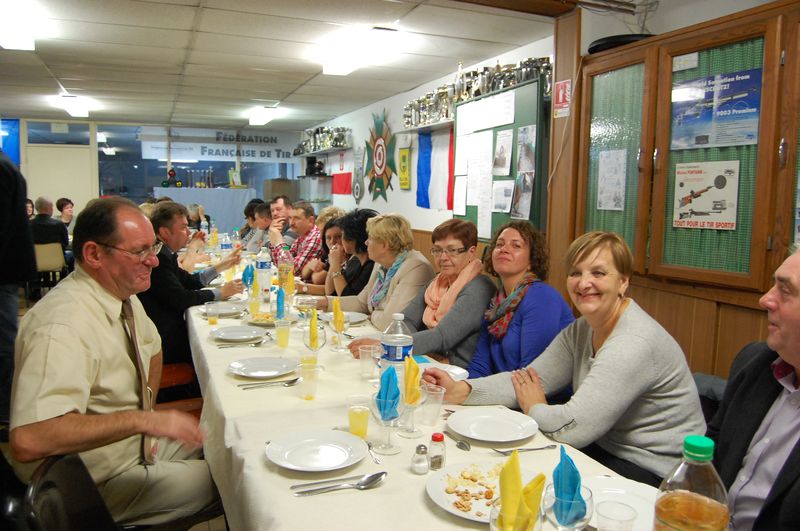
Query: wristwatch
{"x": 305, "y": 288}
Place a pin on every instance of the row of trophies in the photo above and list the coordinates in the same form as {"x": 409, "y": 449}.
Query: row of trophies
{"x": 439, "y": 105}
{"x": 323, "y": 138}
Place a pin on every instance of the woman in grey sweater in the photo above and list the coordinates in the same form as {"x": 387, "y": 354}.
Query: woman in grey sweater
{"x": 445, "y": 316}
{"x": 635, "y": 398}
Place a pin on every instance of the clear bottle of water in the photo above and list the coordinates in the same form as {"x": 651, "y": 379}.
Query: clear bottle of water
{"x": 235, "y": 240}
{"x": 264, "y": 270}
{"x": 204, "y": 225}
{"x": 225, "y": 244}
{"x": 692, "y": 496}
{"x": 397, "y": 346}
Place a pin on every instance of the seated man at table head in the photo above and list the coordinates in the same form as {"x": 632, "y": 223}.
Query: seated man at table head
{"x": 757, "y": 426}
{"x": 46, "y": 228}
{"x": 77, "y": 386}
{"x": 308, "y": 244}
{"x": 280, "y": 212}
{"x": 172, "y": 290}
{"x": 635, "y": 399}
{"x": 259, "y": 237}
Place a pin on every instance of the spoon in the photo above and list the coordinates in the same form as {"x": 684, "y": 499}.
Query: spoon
{"x": 259, "y": 385}
{"x": 255, "y": 343}
{"x": 460, "y": 443}
{"x": 367, "y": 482}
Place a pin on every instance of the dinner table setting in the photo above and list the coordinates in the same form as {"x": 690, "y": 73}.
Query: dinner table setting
{"x": 300, "y": 434}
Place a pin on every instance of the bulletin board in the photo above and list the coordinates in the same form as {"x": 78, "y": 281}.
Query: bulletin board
{"x": 531, "y": 108}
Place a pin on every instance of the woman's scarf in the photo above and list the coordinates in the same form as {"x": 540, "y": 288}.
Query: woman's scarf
{"x": 382, "y": 281}
{"x": 501, "y": 310}
{"x": 441, "y": 294}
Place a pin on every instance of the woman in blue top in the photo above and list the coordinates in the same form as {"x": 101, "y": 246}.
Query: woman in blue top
{"x": 525, "y": 314}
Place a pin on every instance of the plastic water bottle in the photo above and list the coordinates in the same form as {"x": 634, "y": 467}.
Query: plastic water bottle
{"x": 235, "y": 240}
{"x": 264, "y": 271}
{"x": 204, "y": 226}
{"x": 692, "y": 496}
{"x": 225, "y": 244}
{"x": 397, "y": 346}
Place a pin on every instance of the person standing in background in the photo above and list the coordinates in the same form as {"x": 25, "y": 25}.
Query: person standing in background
{"x": 17, "y": 265}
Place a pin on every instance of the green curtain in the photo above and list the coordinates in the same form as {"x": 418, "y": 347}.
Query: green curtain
{"x": 616, "y": 124}
{"x": 721, "y": 250}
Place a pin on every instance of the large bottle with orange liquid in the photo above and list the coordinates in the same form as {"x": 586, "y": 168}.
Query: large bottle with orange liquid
{"x": 692, "y": 496}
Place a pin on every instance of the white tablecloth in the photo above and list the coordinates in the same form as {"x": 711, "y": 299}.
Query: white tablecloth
{"x": 255, "y": 492}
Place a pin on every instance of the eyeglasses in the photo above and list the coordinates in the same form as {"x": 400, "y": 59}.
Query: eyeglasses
{"x": 447, "y": 252}
{"x": 141, "y": 255}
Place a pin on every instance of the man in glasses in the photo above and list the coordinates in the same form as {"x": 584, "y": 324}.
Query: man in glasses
{"x": 88, "y": 361}
{"x": 173, "y": 290}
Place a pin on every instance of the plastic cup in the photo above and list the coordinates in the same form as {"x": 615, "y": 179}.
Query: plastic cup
{"x": 282, "y": 327}
{"x": 358, "y": 415}
{"x": 254, "y": 306}
{"x": 615, "y": 516}
{"x": 369, "y": 356}
{"x": 307, "y": 387}
{"x": 309, "y": 358}
{"x": 228, "y": 274}
{"x": 432, "y": 407}
{"x": 495, "y": 520}
{"x": 212, "y": 314}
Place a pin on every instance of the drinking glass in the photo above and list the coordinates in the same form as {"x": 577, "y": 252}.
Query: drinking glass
{"x": 304, "y": 305}
{"x": 496, "y": 523}
{"x": 370, "y": 356}
{"x": 321, "y": 339}
{"x": 358, "y": 415}
{"x": 434, "y": 396}
{"x": 212, "y": 314}
{"x": 309, "y": 376}
{"x": 340, "y": 346}
{"x": 408, "y": 428}
{"x": 248, "y": 277}
{"x": 282, "y": 327}
{"x": 389, "y": 424}
{"x": 567, "y": 514}
{"x": 615, "y": 516}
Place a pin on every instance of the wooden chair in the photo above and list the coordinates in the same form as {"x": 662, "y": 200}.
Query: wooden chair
{"x": 50, "y": 264}
{"x": 63, "y": 497}
{"x": 179, "y": 374}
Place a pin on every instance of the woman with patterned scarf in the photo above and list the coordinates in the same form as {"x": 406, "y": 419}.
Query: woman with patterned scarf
{"x": 445, "y": 317}
{"x": 399, "y": 274}
{"x": 525, "y": 314}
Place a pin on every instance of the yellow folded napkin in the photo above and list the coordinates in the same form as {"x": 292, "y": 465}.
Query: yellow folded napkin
{"x": 413, "y": 393}
{"x": 338, "y": 315}
{"x": 519, "y": 507}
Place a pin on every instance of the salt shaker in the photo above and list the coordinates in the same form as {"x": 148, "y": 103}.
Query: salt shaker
{"x": 436, "y": 453}
{"x": 419, "y": 461}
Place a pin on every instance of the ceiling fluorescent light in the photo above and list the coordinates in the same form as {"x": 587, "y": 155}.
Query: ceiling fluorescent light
{"x": 264, "y": 115}
{"x": 22, "y": 23}
{"x": 75, "y": 106}
{"x": 355, "y": 47}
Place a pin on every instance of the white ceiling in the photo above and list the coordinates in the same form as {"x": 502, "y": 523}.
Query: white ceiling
{"x": 205, "y": 62}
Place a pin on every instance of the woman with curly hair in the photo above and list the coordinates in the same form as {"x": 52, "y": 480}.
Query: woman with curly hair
{"x": 525, "y": 314}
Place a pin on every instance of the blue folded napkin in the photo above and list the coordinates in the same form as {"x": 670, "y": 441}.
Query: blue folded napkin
{"x": 280, "y": 304}
{"x": 569, "y": 506}
{"x": 388, "y": 395}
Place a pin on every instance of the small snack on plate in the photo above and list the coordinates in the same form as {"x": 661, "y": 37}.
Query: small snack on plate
{"x": 262, "y": 317}
{"x": 473, "y": 487}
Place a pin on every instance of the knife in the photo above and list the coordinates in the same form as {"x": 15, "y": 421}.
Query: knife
{"x": 326, "y": 481}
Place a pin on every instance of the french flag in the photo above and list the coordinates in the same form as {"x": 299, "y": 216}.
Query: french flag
{"x": 435, "y": 170}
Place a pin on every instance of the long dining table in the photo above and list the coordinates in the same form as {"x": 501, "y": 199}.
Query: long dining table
{"x": 255, "y": 492}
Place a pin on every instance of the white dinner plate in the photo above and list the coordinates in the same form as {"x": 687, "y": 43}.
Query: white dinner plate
{"x": 237, "y": 334}
{"x": 269, "y": 324}
{"x": 316, "y": 450}
{"x": 438, "y": 481}
{"x": 263, "y": 367}
{"x": 226, "y": 308}
{"x": 355, "y": 317}
{"x": 638, "y": 495}
{"x": 492, "y": 424}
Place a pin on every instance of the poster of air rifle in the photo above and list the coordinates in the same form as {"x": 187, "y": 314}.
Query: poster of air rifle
{"x": 706, "y": 195}
{"x": 716, "y": 111}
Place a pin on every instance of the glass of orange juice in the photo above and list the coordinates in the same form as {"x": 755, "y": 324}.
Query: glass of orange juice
{"x": 282, "y": 327}
{"x": 228, "y": 274}
{"x": 358, "y": 415}
{"x": 212, "y": 314}
{"x": 254, "y": 305}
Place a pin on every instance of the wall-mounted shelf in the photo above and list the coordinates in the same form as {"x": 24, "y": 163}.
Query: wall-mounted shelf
{"x": 325, "y": 151}
{"x": 444, "y": 124}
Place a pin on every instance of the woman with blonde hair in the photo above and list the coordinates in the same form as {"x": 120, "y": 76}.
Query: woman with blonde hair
{"x": 635, "y": 399}
{"x": 399, "y": 274}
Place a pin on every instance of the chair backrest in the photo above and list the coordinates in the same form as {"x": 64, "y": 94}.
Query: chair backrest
{"x": 49, "y": 257}
{"x": 62, "y": 496}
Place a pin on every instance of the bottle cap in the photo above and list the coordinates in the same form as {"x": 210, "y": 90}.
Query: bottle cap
{"x": 398, "y": 316}
{"x": 437, "y": 437}
{"x": 698, "y": 448}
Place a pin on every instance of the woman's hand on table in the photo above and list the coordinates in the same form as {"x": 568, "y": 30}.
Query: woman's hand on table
{"x": 361, "y": 342}
{"x": 454, "y": 392}
{"x": 231, "y": 288}
{"x": 528, "y": 388}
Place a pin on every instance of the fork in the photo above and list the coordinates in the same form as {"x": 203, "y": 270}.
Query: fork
{"x": 509, "y": 452}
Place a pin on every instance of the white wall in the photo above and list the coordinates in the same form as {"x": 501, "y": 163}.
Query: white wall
{"x": 360, "y": 122}
{"x": 670, "y": 15}
{"x": 55, "y": 171}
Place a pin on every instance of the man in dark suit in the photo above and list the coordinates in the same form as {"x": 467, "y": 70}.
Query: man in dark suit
{"x": 173, "y": 290}
{"x": 757, "y": 427}
{"x": 45, "y": 228}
